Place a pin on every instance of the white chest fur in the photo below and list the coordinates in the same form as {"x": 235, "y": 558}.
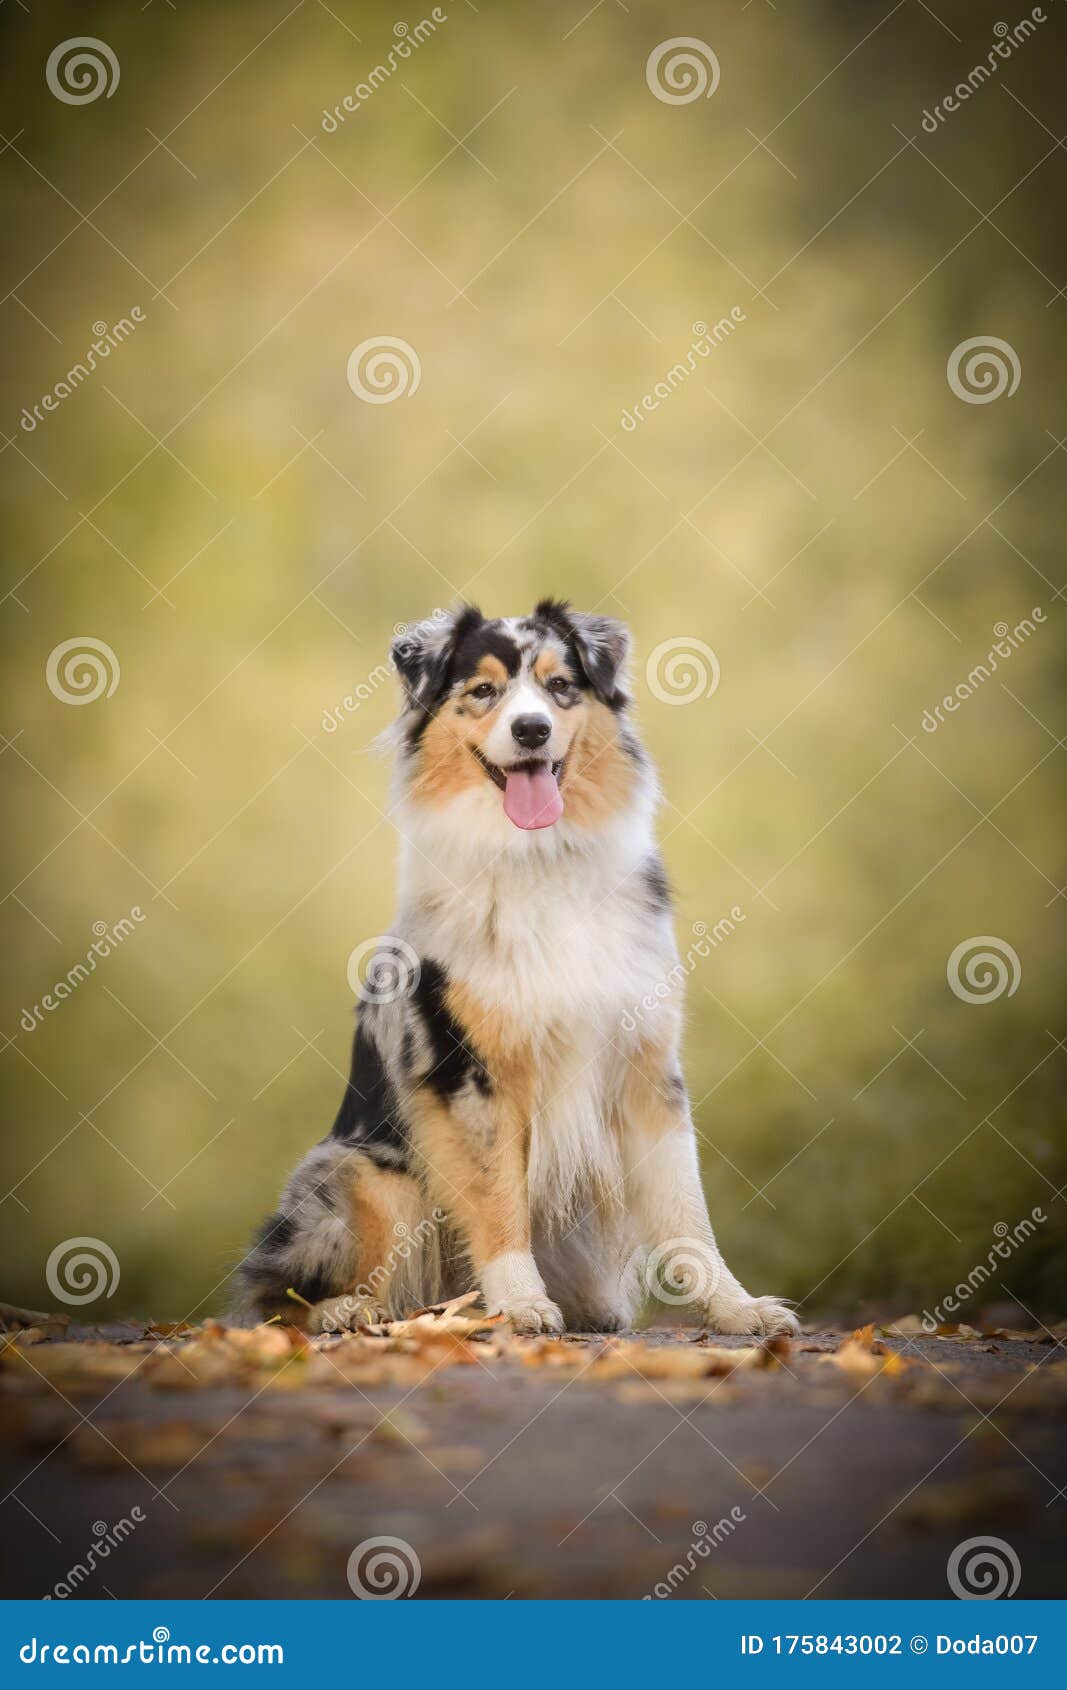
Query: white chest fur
{"x": 562, "y": 940}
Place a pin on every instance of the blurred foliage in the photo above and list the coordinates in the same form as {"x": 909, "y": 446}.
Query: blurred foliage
{"x": 814, "y": 502}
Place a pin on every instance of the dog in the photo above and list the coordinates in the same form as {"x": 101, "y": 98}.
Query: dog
{"x": 508, "y": 1121}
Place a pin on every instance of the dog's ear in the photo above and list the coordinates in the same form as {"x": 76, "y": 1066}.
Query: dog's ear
{"x": 603, "y": 648}
{"x": 422, "y": 654}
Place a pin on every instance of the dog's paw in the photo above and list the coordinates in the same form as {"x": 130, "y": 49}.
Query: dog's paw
{"x": 342, "y": 1314}
{"x": 756, "y": 1317}
{"x": 606, "y": 1320}
{"x": 534, "y": 1315}
{"x": 599, "y": 1317}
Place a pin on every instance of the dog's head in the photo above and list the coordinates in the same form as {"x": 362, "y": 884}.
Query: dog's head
{"x": 520, "y": 718}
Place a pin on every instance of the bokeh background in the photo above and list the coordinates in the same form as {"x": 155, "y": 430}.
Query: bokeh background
{"x": 814, "y": 503}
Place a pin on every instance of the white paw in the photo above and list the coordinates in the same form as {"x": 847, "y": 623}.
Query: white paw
{"x": 758, "y": 1317}
{"x": 533, "y": 1315}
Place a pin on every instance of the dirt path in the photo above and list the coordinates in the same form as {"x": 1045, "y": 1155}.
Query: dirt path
{"x": 237, "y": 1465}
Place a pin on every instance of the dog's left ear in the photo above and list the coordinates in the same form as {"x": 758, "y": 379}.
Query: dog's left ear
{"x": 603, "y": 647}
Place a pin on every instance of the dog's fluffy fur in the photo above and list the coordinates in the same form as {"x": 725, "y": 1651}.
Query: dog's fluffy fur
{"x": 502, "y": 1126}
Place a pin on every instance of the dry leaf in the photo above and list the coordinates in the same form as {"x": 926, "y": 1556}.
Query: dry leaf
{"x": 862, "y": 1356}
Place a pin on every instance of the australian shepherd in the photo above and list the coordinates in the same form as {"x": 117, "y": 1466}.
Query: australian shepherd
{"x": 509, "y": 1122}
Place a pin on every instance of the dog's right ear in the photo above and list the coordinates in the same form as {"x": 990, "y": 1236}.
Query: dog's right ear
{"x": 423, "y": 653}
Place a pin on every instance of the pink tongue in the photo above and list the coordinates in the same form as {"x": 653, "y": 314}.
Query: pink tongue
{"x": 531, "y": 798}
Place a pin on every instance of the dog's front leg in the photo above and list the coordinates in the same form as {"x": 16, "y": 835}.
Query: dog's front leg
{"x": 475, "y": 1151}
{"x": 682, "y": 1262}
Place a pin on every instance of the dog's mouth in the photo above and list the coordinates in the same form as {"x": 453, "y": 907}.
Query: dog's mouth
{"x": 532, "y": 797}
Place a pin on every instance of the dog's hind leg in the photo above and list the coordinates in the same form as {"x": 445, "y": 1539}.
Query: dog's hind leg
{"x": 351, "y": 1241}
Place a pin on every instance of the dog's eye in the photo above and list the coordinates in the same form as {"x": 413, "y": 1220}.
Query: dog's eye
{"x": 559, "y": 685}
{"x": 486, "y": 689}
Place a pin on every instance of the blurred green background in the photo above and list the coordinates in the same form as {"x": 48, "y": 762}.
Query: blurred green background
{"x": 814, "y": 502}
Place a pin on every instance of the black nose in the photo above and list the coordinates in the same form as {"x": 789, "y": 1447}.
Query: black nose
{"x": 531, "y": 731}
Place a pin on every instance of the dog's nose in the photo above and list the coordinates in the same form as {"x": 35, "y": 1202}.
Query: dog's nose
{"x": 531, "y": 731}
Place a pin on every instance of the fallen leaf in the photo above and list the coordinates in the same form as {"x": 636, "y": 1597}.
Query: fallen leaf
{"x": 862, "y": 1356}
